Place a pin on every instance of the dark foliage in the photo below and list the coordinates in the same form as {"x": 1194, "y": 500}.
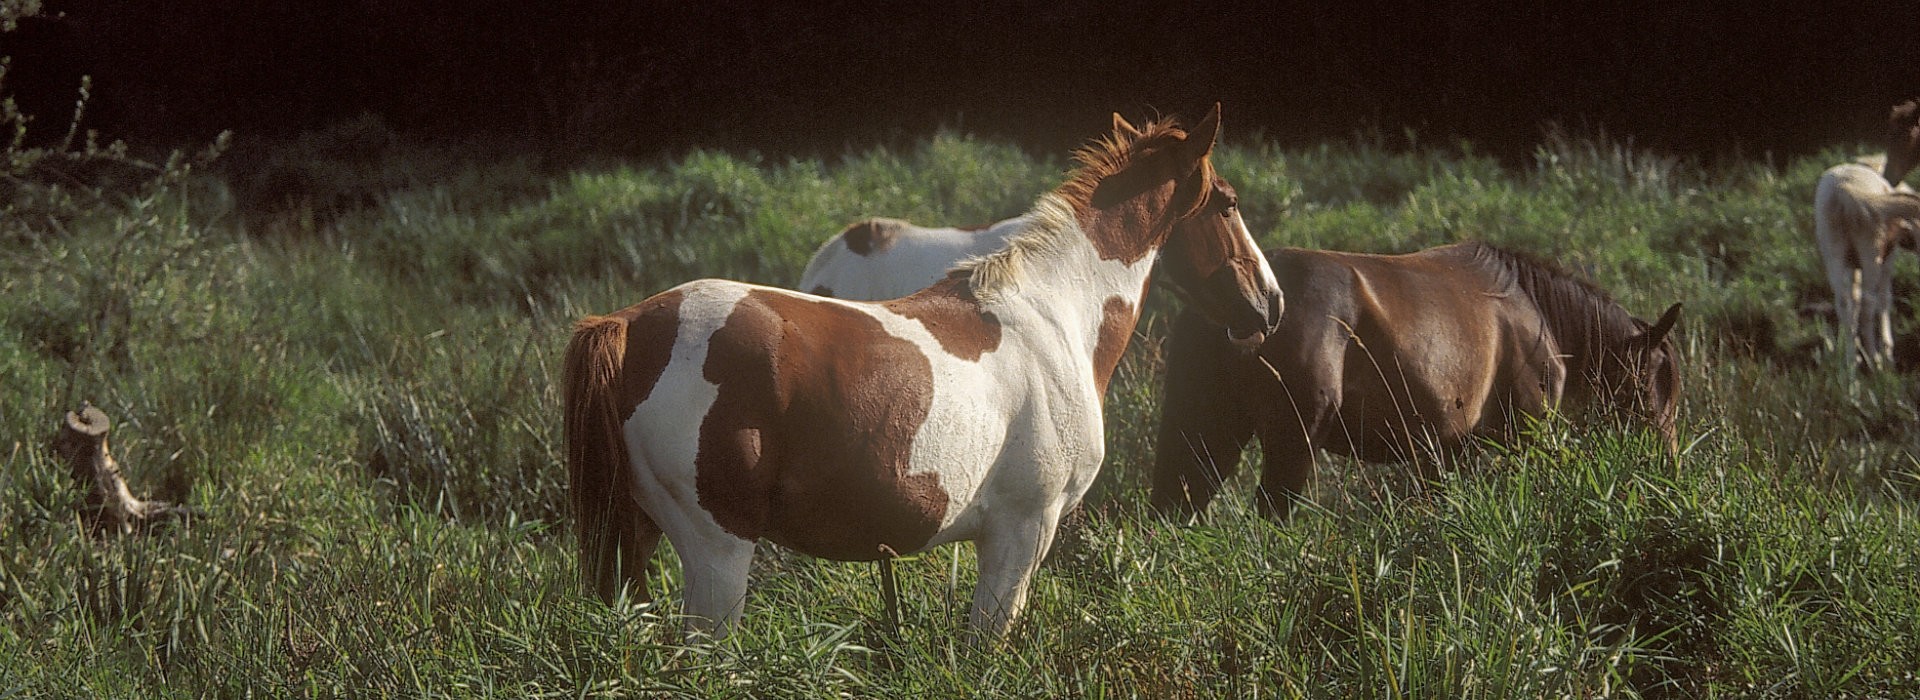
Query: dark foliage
{"x": 648, "y": 76}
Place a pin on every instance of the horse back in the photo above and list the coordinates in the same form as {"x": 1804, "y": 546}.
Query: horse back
{"x": 879, "y": 258}
{"x": 1418, "y": 343}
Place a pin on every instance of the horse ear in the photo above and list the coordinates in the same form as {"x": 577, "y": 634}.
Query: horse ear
{"x": 1658, "y": 332}
{"x": 1123, "y": 128}
{"x": 1201, "y": 137}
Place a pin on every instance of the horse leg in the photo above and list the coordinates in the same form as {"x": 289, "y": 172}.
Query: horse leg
{"x": 1202, "y": 426}
{"x": 1304, "y": 409}
{"x": 1857, "y": 349}
{"x": 1287, "y": 452}
{"x": 1008, "y": 556}
{"x": 637, "y": 544}
{"x": 1880, "y": 314}
{"x": 713, "y": 561}
{"x": 1844, "y": 279}
{"x": 715, "y": 566}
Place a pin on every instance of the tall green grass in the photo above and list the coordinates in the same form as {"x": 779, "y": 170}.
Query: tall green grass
{"x": 357, "y": 391}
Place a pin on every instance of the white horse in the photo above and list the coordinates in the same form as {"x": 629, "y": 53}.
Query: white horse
{"x": 1860, "y": 217}
{"x": 723, "y": 413}
{"x": 881, "y": 258}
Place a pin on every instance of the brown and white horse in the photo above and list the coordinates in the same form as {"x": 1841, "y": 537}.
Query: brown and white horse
{"x": 880, "y": 258}
{"x": 723, "y": 413}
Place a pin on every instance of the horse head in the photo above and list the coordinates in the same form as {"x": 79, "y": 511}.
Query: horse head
{"x": 1903, "y": 141}
{"x": 1208, "y": 251}
{"x": 1641, "y": 374}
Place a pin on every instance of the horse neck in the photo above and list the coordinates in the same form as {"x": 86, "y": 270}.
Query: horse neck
{"x": 1900, "y": 204}
{"x": 1054, "y": 269}
{"x": 1584, "y": 323}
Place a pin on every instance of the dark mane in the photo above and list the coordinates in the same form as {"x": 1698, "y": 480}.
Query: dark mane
{"x": 1584, "y": 319}
{"x": 1903, "y": 141}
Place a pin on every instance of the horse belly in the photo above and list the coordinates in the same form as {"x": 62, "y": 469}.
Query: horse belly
{"x": 856, "y": 517}
{"x": 848, "y": 503}
{"x": 1379, "y": 423}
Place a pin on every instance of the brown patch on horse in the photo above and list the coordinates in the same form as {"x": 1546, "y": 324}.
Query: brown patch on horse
{"x": 953, "y": 315}
{"x": 647, "y": 357}
{"x": 637, "y": 331}
{"x": 1116, "y": 328}
{"x": 1196, "y": 261}
{"x": 1122, "y": 176}
{"x": 817, "y": 408}
{"x": 871, "y": 236}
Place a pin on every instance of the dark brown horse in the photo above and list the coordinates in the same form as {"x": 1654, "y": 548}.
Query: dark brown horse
{"x": 1380, "y": 356}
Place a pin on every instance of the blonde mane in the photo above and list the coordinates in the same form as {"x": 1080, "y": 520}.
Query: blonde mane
{"x": 1050, "y": 225}
{"x": 1052, "y": 221}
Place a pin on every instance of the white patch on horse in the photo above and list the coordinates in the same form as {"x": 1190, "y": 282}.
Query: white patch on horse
{"x": 665, "y": 474}
{"x": 917, "y": 258}
{"x": 1064, "y": 441}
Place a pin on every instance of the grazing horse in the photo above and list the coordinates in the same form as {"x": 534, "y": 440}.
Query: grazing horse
{"x": 880, "y": 258}
{"x": 1860, "y": 217}
{"x": 1380, "y": 355}
{"x": 724, "y": 413}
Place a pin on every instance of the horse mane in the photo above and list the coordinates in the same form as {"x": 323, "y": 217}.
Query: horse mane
{"x": 1901, "y": 204}
{"x": 1110, "y": 154}
{"x": 1052, "y": 222}
{"x": 1903, "y": 141}
{"x": 1049, "y": 226}
{"x": 1583, "y": 318}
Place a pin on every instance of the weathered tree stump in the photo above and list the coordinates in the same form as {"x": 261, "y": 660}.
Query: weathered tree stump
{"x": 110, "y": 506}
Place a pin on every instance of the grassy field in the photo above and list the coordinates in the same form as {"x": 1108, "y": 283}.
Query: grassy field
{"x": 346, "y": 359}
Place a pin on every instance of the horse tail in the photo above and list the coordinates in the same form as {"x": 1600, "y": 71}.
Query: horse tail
{"x": 599, "y": 468}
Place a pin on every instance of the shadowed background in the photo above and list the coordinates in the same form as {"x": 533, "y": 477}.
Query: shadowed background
{"x": 347, "y": 365}
{"x": 1708, "y": 79}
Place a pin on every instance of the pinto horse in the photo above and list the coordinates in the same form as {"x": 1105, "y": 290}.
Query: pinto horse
{"x": 881, "y": 258}
{"x": 724, "y": 413}
{"x": 1379, "y": 353}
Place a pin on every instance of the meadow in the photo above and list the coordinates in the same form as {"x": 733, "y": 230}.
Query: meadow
{"x": 342, "y": 349}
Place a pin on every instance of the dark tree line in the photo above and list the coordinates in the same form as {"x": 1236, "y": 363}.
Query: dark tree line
{"x": 648, "y": 75}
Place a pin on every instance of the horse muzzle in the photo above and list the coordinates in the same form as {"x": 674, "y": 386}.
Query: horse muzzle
{"x": 1251, "y": 340}
{"x": 1246, "y": 343}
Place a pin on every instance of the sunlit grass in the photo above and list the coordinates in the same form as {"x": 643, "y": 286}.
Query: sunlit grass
{"x": 363, "y": 409}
